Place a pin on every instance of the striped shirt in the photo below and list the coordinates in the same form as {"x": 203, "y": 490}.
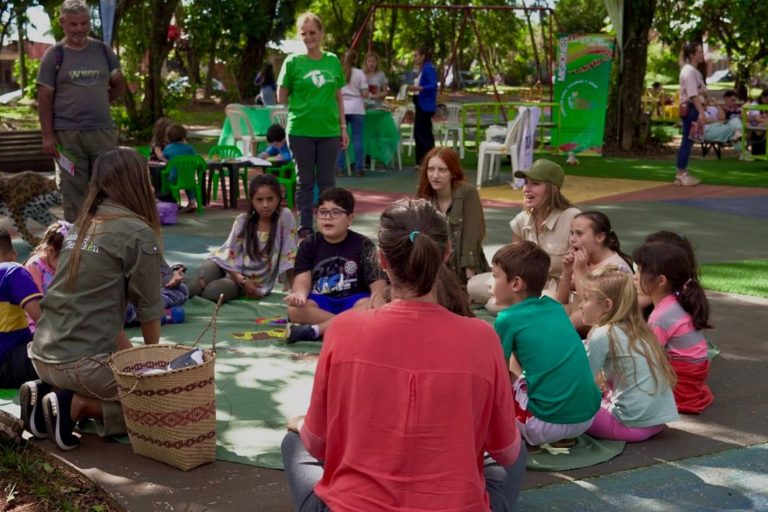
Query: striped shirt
{"x": 673, "y": 326}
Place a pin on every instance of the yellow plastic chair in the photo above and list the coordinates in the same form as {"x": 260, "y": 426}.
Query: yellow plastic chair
{"x": 224, "y": 152}
{"x": 190, "y": 174}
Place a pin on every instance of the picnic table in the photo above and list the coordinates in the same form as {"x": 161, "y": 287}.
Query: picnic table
{"x": 380, "y": 134}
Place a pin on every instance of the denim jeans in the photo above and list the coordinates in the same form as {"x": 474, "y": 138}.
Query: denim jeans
{"x": 684, "y": 153}
{"x": 355, "y": 122}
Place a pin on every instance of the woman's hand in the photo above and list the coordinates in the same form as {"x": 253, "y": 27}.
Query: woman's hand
{"x": 295, "y": 424}
{"x": 469, "y": 272}
{"x": 344, "y": 138}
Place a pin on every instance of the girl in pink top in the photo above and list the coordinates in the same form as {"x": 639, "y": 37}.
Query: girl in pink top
{"x": 411, "y": 405}
{"x": 594, "y": 245}
{"x": 680, "y": 311}
{"x": 42, "y": 263}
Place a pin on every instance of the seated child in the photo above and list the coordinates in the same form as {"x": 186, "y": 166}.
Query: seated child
{"x": 594, "y": 245}
{"x": 624, "y": 354}
{"x": 277, "y": 152}
{"x": 335, "y": 270}
{"x": 261, "y": 247}
{"x": 178, "y": 146}
{"x": 159, "y": 139}
{"x": 43, "y": 260}
{"x": 174, "y": 294}
{"x": 18, "y": 295}
{"x": 42, "y": 263}
{"x": 556, "y": 397}
{"x": 680, "y": 310}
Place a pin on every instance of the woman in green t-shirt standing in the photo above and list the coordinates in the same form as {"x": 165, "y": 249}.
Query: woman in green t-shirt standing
{"x": 311, "y": 86}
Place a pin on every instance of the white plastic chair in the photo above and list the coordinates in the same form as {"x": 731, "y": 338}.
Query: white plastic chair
{"x": 242, "y": 129}
{"x": 279, "y": 116}
{"x": 397, "y": 116}
{"x": 402, "y": 94}
{"x": 452, "y": 125}
{"x": 490, "y": 153}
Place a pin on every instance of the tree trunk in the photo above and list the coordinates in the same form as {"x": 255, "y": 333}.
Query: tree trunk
{"x": 209, "y": 76}
{"x": 159, "y": 46}
{"x": 624, "y": 103}
{"x": 741, "y": 78}
{"x": 249, "y": 65}
{"x": 22, "y": 52}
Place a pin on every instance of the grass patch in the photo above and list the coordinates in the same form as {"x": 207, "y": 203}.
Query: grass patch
{"x": 711, "y": 171}
{"x": 197, "y": 114}
{"x": 31, "y": 480}
{"x": 742, "y": 277}
{"x": 22, "y": 117}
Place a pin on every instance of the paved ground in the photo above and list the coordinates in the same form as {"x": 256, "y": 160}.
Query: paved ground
{"x": 665, "y": 473}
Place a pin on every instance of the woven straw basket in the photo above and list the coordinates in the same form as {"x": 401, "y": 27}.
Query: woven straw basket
{"x": 171, "y": 417}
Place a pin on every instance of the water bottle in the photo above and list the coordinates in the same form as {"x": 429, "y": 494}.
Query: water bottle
{"x": 174, "y": 315}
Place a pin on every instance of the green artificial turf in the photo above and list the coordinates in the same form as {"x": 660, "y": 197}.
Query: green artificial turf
{"x": 742, "y": 277}
{"x": 728, "y": 171}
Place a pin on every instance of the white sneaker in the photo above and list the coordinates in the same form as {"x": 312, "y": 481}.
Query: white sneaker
{"x": 686, "y": 180}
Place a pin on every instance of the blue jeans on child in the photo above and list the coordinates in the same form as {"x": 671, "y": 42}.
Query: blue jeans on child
{"x": 355, "y": 122}
{"x": 684, "y": 153}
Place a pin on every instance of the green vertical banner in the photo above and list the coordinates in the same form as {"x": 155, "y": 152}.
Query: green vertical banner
{"x": 582, "y": 78}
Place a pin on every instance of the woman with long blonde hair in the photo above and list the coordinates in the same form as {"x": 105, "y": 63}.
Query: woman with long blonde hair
{"x": 625, "y": 356}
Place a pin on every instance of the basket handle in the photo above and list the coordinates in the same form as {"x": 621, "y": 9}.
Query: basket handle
{"x": 211, "y": 323}
{"x": 117, "y": 397}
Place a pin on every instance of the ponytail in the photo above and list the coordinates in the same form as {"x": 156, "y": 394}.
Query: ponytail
{"x": 413, "y": 238}
{"x": 693, "y": 300}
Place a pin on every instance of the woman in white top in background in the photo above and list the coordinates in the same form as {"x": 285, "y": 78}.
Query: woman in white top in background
{"x": 353, "y": 92}
{"x": 691, "y": 109}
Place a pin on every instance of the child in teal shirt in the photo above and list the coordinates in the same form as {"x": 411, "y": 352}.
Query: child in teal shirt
{"x": 556, "y": 398}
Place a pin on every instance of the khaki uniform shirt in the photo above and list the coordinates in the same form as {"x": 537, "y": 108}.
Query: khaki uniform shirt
{"x": 119, "y": 262}
{"x": 553, "y": 237}
{"x": 467, "y": 229}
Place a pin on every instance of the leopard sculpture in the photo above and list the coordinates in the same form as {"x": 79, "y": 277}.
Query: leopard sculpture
{"x": 26, "y": 195}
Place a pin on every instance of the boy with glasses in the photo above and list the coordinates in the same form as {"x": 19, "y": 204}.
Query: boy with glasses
{"x": 335, "y": 270}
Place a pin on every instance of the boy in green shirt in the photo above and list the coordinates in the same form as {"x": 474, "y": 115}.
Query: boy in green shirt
{"x": 555, "y": 396}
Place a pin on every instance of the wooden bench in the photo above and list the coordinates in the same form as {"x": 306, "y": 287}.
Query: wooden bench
{"x": 22, "y": 151}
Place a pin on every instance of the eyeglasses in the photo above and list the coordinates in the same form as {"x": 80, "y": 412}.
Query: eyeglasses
{"x": 441, "y": 170}
{"x": 333, "y": 213}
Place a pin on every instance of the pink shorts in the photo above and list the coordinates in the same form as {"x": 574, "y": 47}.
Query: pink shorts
{"x": 608, "y": 426}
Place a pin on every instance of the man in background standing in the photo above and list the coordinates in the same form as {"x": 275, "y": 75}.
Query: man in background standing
{"x": 78, "y": 79}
